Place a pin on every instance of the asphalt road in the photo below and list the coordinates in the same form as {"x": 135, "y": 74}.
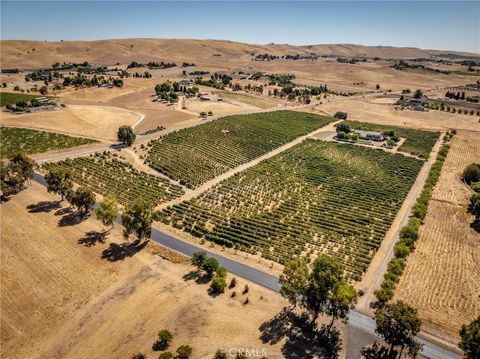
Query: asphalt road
{"x": 365, "y": 325}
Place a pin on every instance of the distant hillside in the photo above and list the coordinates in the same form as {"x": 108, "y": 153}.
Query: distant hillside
{"x": 24, "y": 54}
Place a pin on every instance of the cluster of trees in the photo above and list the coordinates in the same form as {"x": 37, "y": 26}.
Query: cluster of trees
{"x": 455, "y": 96}
{"x": 167, "y": 92}
{"x": 145, "y": 75}
{"x": 196, "y": 73}
{"x": 344, "y": 132}
{"x": 342, "y": 116}
{"x": 14, "y": 173}
{"x": 152, "y": 65}
{"x": 126, "y": 135}
{"x": 60, "y": 181}
{"x": 186, "y": 64}
{"x": 280, "y": 79}
{"x": 352, "y": 60}
{"x": 321, "y": 290}
{"x": 212, "y": 270}
{"x": 81, "y": 80}
{"x": 163, "y": 342}
{"x": 402, "y": 65}
{"x": 265, "y": 57}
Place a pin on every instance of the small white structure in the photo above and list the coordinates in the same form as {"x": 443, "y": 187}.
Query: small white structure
{"x": 369, "y": 135}
{"x": 204, "y": 98}
{"x": 225, "y": 131}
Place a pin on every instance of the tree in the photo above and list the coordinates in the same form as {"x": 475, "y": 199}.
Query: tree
{"x": 165, "y": 355}
{"x": 199, "y": 258}
{"x": 474, "y": 205}
{"x": 107, "y": 212}
{"x": 327, "y": 274}
{"x": 471, "y": 173}
{"x": 138, "y": 220}
{"x": 341, "y": 115}
{"x": 377, "y": 87}
{"x": 217, "y": 285}
{"x": 165, "y": 337}
{"x": 398, "y": 324}
{"x": 83, "y": 199}
{"x": 220, "y": 355}
{"x": 59, "y": 181}
{"x": 470, "y": 339}
{"x": 139, "y": 356}
{"x": 343, "y": 127}
{"x": 126, "y": 135}
{"x": 15, "y": 173}
{"x": 294, "y": 280}
{"x": 418, "y": 94}
{"x": 341, "y": 301}
{"x": 184, "y": 351}
{"x": 210, "y": 266}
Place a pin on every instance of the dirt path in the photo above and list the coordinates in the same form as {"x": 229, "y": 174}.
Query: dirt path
{"x": 374, "y": 276}
{"x": 189, "y": 195}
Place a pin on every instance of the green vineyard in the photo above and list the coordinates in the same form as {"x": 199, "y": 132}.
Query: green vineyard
{"x": 317, "y": 197}
{"x": 106, "y": 175}
{"x": 14, "y": 140}
{"x": 198, "y": 154}
{"x": 417, "y": 142}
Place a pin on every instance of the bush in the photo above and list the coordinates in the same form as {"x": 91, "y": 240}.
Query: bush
{"x": 165, "y": 336}
{"x": 220, "y": 355}
{"x": 217, "y": 285}
{"x": 471, "y": 173}
{"x": 341, "y": 115}
{"x": 165, "y": 355}
{"x": 184, "y": 351}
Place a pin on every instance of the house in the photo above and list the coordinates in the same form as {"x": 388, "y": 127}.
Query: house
{"x": 42, "y": 100}
{"x": 185, "y": 82}
{"x": 418, "y": 101}
{"x": 369, "y": 135}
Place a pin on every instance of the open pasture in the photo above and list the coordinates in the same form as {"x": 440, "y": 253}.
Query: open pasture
{"x": 106, "y": 175}
{"x": 98, "y": 122}
{"x": 317, "y": 197}
{"x": 195, "y": 155}
{"x": 417, "y": 142}
{"x": 14, "y": 140}
{"x": 11, "y": 98}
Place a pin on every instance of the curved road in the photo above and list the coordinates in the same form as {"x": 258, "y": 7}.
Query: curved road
{"x": 356, "y": 319}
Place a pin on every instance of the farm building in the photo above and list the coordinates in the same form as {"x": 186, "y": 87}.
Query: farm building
{"x": 369, "y": 135}
{"x": 42, "y": 100}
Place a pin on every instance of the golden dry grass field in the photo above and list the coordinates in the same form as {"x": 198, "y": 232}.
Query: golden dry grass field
{"x": 61, "y": 299}
{"x": 98, "y": 122}
{"x": 441, "y": 276}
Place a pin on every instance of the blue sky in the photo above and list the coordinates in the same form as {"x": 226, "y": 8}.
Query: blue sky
{"x": 452, "y": 25}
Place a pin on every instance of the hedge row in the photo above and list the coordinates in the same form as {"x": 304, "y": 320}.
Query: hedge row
{"x": 410, "y": 232}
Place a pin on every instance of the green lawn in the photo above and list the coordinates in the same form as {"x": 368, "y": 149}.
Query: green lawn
{"x": 9, "y": 98}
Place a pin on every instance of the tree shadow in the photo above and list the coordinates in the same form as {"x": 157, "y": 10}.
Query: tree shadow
{"x": 197, "y": 276}
{"x": 71, "y": 218}
{"x": 476, "y": 225}
{"x": 302, "y": 339}
{"x": 91, "y": 238}
{"x": 43, "y": 206}
{"x": 118, "y": 252}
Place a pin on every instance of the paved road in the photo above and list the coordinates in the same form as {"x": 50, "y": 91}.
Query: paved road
{"x": 357, "y": 319}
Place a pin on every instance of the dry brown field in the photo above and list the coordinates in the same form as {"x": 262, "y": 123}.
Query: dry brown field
{"x": 98, "y": 122}
{"x": 372, "y": 110}
{"x": 441, "y": 278}
{"x": 60, "y": 298}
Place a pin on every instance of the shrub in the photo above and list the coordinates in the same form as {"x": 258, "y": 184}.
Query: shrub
{"x": 217, "y": 285}
{"x": 165, "y": 336}
{"x": 471, "y": 173}
{"x": 184, "y": 351}
{"x": 165, "y": 355}
{"x": 220, "y": 355}
{"x": 341, "y": 115}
